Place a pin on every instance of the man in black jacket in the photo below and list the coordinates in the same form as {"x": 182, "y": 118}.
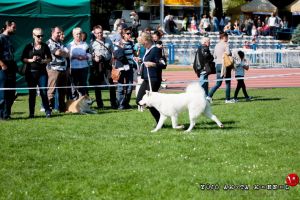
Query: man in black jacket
{"x": 8, "y": 70}
{"x": 203, "y": 62}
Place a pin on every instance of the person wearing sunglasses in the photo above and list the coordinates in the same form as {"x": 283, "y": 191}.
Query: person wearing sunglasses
{"x": 36, "y": 56}
{"x": 124, "y": 92}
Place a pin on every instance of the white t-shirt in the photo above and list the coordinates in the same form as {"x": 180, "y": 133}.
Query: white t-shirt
{"x": 272, "y": 21}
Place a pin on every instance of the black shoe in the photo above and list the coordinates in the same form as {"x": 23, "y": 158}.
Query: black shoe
{"x": 48, "y": 114}
{"x": 114, "y": 107}
{"x": 249, "y": 98}
{"x": 128, "y": 107}
{"x": 100, "y": 107}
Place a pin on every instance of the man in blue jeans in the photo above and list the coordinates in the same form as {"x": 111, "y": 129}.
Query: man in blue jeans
{"x": 221, "y": 47}
{"x": 203, "y": 57}
{"x": 8, "y": 70}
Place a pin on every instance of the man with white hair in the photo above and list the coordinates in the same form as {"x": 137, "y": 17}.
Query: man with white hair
{"x": 203, "y": 57}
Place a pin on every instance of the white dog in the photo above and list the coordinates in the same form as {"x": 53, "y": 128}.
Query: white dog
{"x": 81, "y": 105}
{"x": 170, "y": 105}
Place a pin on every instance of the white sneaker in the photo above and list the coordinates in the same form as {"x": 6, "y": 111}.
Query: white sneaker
{"x": 230, "y": 101}
{"x": 235, "y": 100}
{"x": 209, "y": 99}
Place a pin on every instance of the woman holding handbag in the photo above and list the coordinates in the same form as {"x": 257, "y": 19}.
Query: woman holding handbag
{"x": 151, "y": 71}
{"x": 221, "y": 71}
{"x": 36, "y": 56}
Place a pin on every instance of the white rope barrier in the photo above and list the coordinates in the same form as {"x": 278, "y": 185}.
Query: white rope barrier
{"x": 167, "y": 82}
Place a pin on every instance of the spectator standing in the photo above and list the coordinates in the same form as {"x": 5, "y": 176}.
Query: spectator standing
{"x": 56, "y": 69}
{"x": 193, "y": 25}
{"x": 205, "y": 23}
{"x": 116, "y": 24}
{"x": 222, "y": 23}
{"x": 285, "y": 23}
{"x": 124, "y": 92}
{"x": 37, "y": 55}
{"x": 8, "y": 69}
{"x": 79, "y": 61}
{"x": 170, "y": 26}
{"x": 71, "y": 91}
{"x": 101, "y": 50}
{"x": 185, "y": 24}
{"x": 272, "y": 23}
{"x": 221, "y": 72}
{"x": 203, "y": 57}
{"x": 117, "y": 37}
{"x": 241, "y": 66}
{"x": 215, "y": 23}
{"x": 248, "y": 25}
{"x": 135, "y": 23}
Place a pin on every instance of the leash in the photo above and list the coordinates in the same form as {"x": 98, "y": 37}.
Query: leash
{"x": 150, "y": 86}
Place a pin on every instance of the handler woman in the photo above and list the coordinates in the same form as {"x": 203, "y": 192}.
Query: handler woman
{"x": 37, "y": 55}
{"x": 151, "y": 63}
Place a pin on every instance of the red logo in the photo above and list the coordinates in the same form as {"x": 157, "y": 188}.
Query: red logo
{"x": 292, "y": 180}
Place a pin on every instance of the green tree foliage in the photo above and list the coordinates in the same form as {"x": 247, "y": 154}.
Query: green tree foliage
{"x": 229, "y": 4}
{"x": 296, "y": 35}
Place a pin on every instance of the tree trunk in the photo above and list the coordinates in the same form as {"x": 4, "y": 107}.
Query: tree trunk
{"x": 219, "y": 8}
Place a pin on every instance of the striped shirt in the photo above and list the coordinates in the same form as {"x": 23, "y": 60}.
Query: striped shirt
{"x": 128, "y": 51}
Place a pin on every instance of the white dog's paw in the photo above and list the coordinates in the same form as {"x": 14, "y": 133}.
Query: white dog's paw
{"x": 154, "y": 130}
{"x": 221, "y": 126}
{"x": 187, "y": 131}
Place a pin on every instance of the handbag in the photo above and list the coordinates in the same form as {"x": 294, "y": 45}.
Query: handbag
{"x": 210, "y": 68}
{"x": 227, "y": 60}
{"x": 23, "y": 69}
{"x": 115, "y": 74}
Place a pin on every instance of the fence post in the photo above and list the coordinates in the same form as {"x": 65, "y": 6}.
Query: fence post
{"x": 172, "y": 53}
{"x": 169, "y": 54}
{"x": 254, "y": 47}
{"x": 278, "y": 55}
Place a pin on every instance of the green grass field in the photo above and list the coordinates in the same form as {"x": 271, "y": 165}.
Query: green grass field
{"x": 113, "y": 155}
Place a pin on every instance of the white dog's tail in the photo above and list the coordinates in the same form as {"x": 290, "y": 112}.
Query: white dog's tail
{"x": 195, "y": 88}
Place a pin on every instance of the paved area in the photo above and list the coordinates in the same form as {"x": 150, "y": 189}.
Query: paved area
{"x": 256, "y": 78}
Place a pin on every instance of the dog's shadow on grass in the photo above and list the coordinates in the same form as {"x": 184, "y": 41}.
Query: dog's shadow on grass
{"x": 254, "y": 98}
{"x": 212, "y": 125}
{"x": 228, "y": 125}
{"x": 261, "y": 98}
{"x": 35, "y": 117}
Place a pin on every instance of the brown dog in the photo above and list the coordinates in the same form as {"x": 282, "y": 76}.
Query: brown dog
{"x": 81, "y": 105}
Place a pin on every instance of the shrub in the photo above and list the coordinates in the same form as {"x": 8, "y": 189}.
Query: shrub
{"x": 296, "y": 35}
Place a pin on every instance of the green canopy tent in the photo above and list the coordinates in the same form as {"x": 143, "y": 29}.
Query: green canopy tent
{"x": 45, "y": 14}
